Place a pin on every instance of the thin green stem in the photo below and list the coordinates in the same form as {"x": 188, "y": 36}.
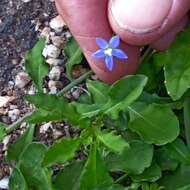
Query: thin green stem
{"x": 186, "y": 113}
{"x": 121, "y": 178}
{"x": 16, "y": 124}
{"x": 74, "y": 83}
{"x": 146, "y": 53}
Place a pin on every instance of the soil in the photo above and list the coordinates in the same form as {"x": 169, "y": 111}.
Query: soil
{"x": 18, "y": 32}
{"x": 19, "y": 24}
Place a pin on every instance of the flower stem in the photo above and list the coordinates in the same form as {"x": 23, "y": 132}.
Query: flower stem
{"x": 16, "y": 124}
{"x": 146, "y": 53}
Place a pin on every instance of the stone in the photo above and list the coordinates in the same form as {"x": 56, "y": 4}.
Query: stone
{"x": 57, "y": 24}
{"x": 55, "y": 73}
{"x": 14, "y": 114}
{"x": 58, "y": 41}
{"x": 53, "y": 61}
{"x": 51, "y": 51}
{"x": 22, "y": 79}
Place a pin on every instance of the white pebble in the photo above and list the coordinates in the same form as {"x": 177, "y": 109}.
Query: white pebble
{"x": 14, "y": 114}
{"x": 45, "y": 127}
{"x": 58, "y": 41}
{"x": 57, "y": 24}
{"x": 22, "y": 79}
{"x": 51, "y": 51}
{"x": 53, "y": 61}
{"x": 55, "y": 73}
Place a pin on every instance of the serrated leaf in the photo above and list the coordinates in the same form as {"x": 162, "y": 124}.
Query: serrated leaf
{"x": 53, "y": 105}
{"x": 74, "y": 54}
{"x": 94, "y": 173}
{"x": 112, "y": 141}
{"x": 61, "y": 151}
{"x": 123, "y": 93}
{"x": 35, "y": 64}
{"x": 177, "y": 65}
{"x": 17, "y": 181}
{"x": 133, "y": 160}
{"x": 40, "y": 116}
{"x": 14, "y": 150}
{"x": 69, "y": 177}
{"x": 30, "y": 164}
{"x": 156, "y": 124}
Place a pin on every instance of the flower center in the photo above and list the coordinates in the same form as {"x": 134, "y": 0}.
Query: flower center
{"x": 108, "y": 51}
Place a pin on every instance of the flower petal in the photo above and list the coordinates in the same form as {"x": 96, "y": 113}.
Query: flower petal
{"x": 98, "y": 54}
{"x": 119, "y": 54}
{"x": 102, "y": 43}
{"x": 114, "y": 41}
{"x": 109, "y": 62}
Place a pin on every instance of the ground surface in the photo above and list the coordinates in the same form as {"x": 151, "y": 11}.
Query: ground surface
{"x": 17, "y": 32}
{"x": 20, "y": 24}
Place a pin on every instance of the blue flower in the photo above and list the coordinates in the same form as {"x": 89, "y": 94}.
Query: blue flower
{"x": 108, "y": 50}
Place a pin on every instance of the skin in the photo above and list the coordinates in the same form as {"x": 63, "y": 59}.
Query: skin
{"x": 156, "y": 23}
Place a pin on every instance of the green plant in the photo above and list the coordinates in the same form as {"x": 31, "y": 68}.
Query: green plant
{"x": 133, "y": 135}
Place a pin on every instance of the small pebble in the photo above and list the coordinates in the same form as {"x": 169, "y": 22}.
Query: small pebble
{"x": 57, "y": 23}
{"x": 53, "y": 90}
{"x": 14, "y": 114}
{"x": 45, "y": 32}
{"x": 45, "y": 127}
{"x": 22, "y": 79}
{"x": 55, "y": 73}
{"x": 53, "y": 61}
{"x": 51, "y": 51}
{"x": 58, "y": 41}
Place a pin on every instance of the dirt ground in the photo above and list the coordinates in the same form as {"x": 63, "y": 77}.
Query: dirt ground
{"x": 18, "y": 33}
{"x": 19, "y": 24}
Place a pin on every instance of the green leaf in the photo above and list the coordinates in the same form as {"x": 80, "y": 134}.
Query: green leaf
{"x": 61, "y": 151}
{"x": 178, "y": 179}
{"x": 30, "y": 164}
{"x": 53, "y": 104}
{"x": 74, "y": 54}
{"x": 2, "y": 131}
{"x": 133, "y": 160}
{"x": 179, "y": 151}
{"x": 69, "y": 177}
{"x": 40, "y": 116}
{"x": 151, "y": 69}
{"x": 114, "y": 142}
{"x": 14, "y": 150}
{"x": 17, "y": 181}
{"x": 88, "y": 110}
{"x": 123, "y": 93}
{"x": 94, "y": 173}
{"x": 155, "y": 124}
{"x": 98, "y": 90}
{"x": 35, "y": 64}
{"x": 151, "y": 174}
{"x": 165, "y": 160}
{"x": 113, "y": 187}
{"x": 177, "y": 65}
{"x": 186, "y": 116}
{"x": 185, "y": 188}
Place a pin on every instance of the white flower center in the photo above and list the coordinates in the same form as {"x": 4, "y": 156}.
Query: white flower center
{"x": 108, "y": 51}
